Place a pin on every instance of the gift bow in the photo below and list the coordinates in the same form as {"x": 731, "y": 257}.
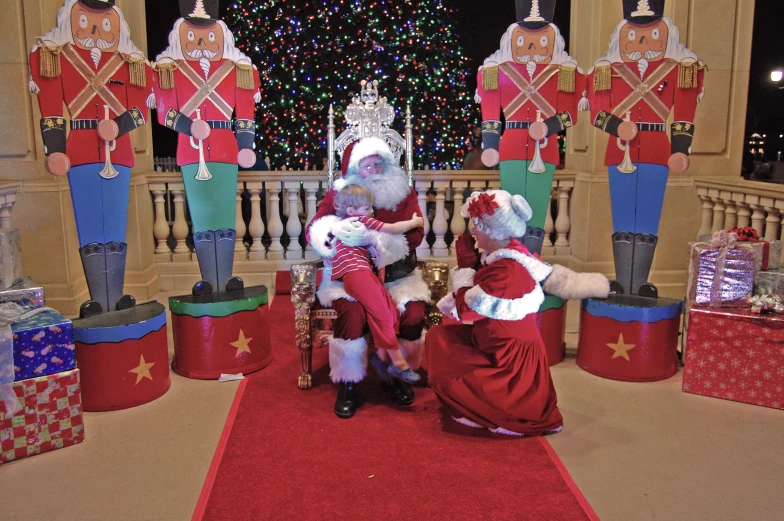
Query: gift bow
{"x": 723, "y": 239}
{"x": 766, "y": 302}
{"x": 745, "y": 234}
{"x": 10, "y": 313}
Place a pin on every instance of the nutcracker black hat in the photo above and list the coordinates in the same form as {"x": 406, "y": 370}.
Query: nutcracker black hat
{"x": 534, "y": 14}
{"x": 199, "y": 12}
{"x": 98, "y": 4}
{"x": 643, "y": 11}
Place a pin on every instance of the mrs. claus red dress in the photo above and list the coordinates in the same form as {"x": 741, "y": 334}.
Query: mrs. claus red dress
{"x": 495, "y": 371}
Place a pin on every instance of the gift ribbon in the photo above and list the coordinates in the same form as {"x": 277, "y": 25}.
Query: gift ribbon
{"x": 723, "y": 241}
{"x": 749, "y": 234}
{"x": 766, "y": 302}
{"x": 10, "y": 313}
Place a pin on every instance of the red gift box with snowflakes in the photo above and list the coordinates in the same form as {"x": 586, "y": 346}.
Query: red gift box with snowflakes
{"x": 50, "y": 417}
{"x": 735, "y": 354}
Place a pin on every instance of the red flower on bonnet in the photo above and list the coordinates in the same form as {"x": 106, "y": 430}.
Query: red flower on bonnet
{"x": 483, "y": 204}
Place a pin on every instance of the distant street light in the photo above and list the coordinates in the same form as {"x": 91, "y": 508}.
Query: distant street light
{"x": 776, "y": 75}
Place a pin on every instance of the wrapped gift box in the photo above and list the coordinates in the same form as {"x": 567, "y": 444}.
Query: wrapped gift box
{"x": 43, "y": 344}
{"x": 51, "y": 416}
{"x": 720, "y": 277}
{"x": 770, "y": 282}
{"x": 735, "y": 354}
{"x": 25, "y": 293}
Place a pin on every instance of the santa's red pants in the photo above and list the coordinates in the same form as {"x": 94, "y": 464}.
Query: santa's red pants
{"x": 380, "y": 309}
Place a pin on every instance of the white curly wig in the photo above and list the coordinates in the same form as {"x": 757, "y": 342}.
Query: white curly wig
{"x": 507, "y": 221}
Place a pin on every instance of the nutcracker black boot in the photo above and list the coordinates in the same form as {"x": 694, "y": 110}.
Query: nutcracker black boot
{"x": 204, "y": 242}
{"x": 644, "y": 248}
{"x": 94, "y": 263}
{"x": 623, "y": 255}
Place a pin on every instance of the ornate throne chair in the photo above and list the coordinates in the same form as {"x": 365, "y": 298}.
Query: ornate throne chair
{"x": 366, "y": 115}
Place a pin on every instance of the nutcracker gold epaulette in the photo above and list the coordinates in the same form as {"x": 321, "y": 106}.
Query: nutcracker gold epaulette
{"x": 566, "y": 76}
{"x": 602, "y": 77}
{"x": 165, "y": 74}
{"x": 136, "y": 72}
{"x": 244, "y": 74}
{"x": 50, "y": 60}
{"x": 687, "y": 74}
{"x": 490, "y": 78}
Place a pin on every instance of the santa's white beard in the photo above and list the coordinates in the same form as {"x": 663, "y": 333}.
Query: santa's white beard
{"x": 388, "y": 189}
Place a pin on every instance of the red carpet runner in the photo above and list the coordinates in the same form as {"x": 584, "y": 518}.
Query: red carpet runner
{"x": 285, "y": 455}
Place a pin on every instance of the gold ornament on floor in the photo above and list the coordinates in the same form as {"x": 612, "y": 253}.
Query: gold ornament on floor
{"x": 621, "y": 349}
{"x": 242, "y": 344}
{"x": 142, "y": 370}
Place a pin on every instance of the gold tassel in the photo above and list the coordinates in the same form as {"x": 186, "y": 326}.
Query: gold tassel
{"x": 602, "y": 78}
{"x": 136, "y": 71}
{"x": 245, "y": 76}
{"x": 490, "y": 78}
{"x": 566, "y": 79}
{"x": 50, "y": 60}
{"x": 687, "y": 75}
{"x": 166, "y": 75}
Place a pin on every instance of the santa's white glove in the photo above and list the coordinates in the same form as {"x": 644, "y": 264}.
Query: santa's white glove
{"x": 351, "y": 233}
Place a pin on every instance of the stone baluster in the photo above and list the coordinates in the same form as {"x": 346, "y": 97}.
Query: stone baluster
{"x": 180, "y": 228}
{"x": 274, "y": 223}
{"x": 707, "y": 212}
{"x": 718, "y": 211}
{"x": 563, "y": 222}
{"x": 256, "y": 226}
{"x": 458, "y": 224}
{"x": 730, "y": 212}
{"x": 423, "y": 251}
{"x": 771, "y": 220}
{"x": 757, "y": 215}
{"x": 240, "y": 251}
{"x": 5, "y": 210}
{"x": 440, "y": 225}
{"x": 744, "y": 215}
{"x": 160, "y": 228}
{"x": 311, "y": 188}
{"x": 293, "y": 226}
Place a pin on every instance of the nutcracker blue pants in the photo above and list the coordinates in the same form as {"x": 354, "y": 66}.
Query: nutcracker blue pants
{"x": 637, "y": 198}
{"x": 100, "y": 205}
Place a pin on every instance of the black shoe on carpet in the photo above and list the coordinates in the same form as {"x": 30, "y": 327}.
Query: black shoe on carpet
{"x": 346, "y": 403}
{"x": 399, "y": 391}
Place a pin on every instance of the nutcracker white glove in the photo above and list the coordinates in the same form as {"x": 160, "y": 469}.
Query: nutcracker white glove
{"x": 351, "y": 233}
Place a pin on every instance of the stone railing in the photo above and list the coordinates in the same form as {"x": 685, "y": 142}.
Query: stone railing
{"x": 739, "y": 203}
{"x": 8, "y": 191}
{"x": 267, "y": 200}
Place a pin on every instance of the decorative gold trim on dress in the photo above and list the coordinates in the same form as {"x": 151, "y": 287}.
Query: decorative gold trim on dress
{"x": 566, "y": 81}
{"x": 490, "y": 78}
{"x": 602, "y": 78}
{"x": 50, "y": 60}
{"x": 245, "y": 76}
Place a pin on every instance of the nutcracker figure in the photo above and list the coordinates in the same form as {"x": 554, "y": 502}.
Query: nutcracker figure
{"x": 89, "y": 64}
{"x": 646, "y": 75}
{"x": 203, "y": 79}
{"x": 537, "y": 86}
{"x": 203, "y": 82}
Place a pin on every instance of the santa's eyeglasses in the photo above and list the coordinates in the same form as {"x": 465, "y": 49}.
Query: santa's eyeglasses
{"x": 369, "y": 167}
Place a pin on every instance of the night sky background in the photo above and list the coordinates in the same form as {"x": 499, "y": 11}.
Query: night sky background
{"x": 480, "y": 24}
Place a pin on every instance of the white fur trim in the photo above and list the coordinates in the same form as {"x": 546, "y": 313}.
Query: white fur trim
{"x": 331, "y": 290}
{"x": 347, "y": 359}
{"x": 448, "y": 306}
{"x": 570, "y": 285}
{"x": 339, "y": 184}
{"x": 504, "y": 308}
{"x": 539, "y": 270}
{"x": 370, "y": 146}
{"x": 386, "y": 248}
{"x": 319, "y": 235}
{"x": 468, "y": 423}
{"x": 501, "y": 430}
{"x": 411, "y": 288}
{"x": 413, "y": 350}
{"x": 462, "y": 277}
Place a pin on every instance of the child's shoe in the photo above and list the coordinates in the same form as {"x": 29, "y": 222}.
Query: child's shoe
{"x": 407, "y": 375}
{"x": 381, "y": 367}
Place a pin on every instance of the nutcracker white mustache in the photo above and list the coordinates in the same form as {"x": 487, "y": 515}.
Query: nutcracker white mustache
{"x": 200, "y": 53}
{"x": 649, "y": 55}
{"x": 538, "y": 58}
{"x": 95, "y": 46}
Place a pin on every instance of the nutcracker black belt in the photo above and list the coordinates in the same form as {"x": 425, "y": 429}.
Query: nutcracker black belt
{"x": 651, "y": 127}
{"x": 84, "y": 124}
{"x": 215, "y": 123}
{"x": 517, "y": 124}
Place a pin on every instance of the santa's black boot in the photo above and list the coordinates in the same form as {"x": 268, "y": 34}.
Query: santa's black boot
{"x": 346, "y": 404}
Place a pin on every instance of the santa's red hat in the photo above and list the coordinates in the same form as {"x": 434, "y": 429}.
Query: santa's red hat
{"x": 359, "y": 150}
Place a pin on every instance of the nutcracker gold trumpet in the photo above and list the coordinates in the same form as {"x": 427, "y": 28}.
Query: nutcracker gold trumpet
{"x": 108, "y": 171}
{"x": 626, "y": 167}
{"x": 203, "y": 174}
{"x": 537, "y": 165}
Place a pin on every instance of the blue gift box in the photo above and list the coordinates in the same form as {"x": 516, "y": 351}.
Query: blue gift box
{"x": 25, "y": 293}
{"x": 43, "y": 344}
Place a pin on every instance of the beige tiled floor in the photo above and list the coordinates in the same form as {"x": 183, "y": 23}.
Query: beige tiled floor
{"x": 639, "y": 452}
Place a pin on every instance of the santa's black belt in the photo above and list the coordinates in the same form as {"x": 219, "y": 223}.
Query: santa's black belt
{"x": 84, "y": 124}
{"x": 517, "y": 124}
{"x": 651, "y": 127}
{"x": 398, "y": 270}
{"x": 215, "y": 123}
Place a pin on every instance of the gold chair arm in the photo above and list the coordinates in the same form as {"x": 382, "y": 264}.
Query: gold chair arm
{"x": 436, "y": 275}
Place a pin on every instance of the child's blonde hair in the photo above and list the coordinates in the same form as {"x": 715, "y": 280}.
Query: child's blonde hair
{"x": 352, "y": 196}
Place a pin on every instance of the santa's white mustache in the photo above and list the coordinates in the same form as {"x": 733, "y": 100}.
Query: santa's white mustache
{"x": 201, "y": 53}
{"x": 649, "y": 55}
{"x": 100, "y": 43}
{"x": 538, "y": 58}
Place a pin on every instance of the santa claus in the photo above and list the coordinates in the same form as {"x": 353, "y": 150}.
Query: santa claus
{"x": 372, "y": 164}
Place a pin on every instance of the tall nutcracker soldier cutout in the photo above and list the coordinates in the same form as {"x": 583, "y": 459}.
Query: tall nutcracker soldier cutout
{"x": 203, "y": 80}
{"x": 538, "y": 86}
{"x": 646, "y": 75}
{"x": 89, "y": 64}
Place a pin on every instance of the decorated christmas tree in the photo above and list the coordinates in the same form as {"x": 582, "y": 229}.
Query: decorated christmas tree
{"x": 311, "y": 53}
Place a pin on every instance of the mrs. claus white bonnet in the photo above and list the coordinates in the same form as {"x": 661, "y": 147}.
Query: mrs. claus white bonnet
{"x": 497, "y": 213}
